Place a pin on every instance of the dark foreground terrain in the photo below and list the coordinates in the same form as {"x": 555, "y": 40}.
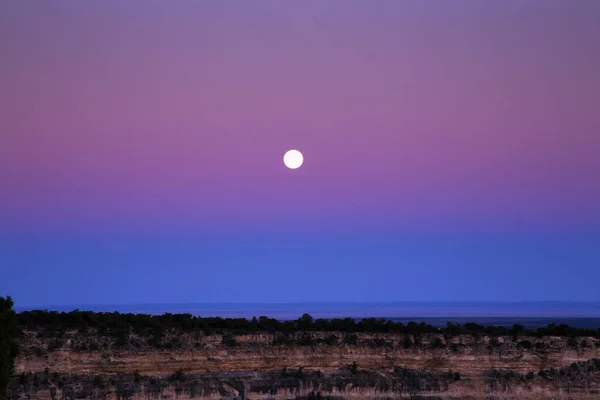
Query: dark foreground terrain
{"x": 117, "y": 356}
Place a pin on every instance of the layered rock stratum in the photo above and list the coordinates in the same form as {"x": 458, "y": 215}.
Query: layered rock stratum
{"x": 309, "y": 365}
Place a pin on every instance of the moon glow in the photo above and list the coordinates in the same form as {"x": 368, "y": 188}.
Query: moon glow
{"x": 293, "y": 159}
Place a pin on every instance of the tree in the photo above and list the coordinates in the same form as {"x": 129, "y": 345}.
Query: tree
{"x": 9, "y": 348}
{"x": 517, "y": 329}
{"x": 305, "y": 322}
{"x": 438, "y": 343}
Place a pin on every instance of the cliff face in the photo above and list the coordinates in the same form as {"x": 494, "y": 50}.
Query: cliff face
{"x": 261, "y": 366}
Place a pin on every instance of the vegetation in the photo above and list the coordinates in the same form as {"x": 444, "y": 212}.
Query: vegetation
{"x": 525, "y": 344}
{"x": 167, "y": 331}
{"x": 177, "y": 376}
{"x": 437, "y": 343}
{"x": 353, "y": 368}
{"x": 399, "y": 383}
{"x": 575, "y": 370}
{"x": 228, "y": 340}
{"x": 120, "y": 326}
{"x": 8, "y": 345}
{"x": 317, "y": 396}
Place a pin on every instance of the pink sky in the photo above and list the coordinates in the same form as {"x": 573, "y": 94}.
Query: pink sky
{"x": 474, "y": 115}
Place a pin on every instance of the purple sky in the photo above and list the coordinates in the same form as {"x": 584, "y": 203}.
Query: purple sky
{"x": 166, "y": 123}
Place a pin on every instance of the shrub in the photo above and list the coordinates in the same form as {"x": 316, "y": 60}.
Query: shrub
{"x": 540, "y": 346}
{"x": 300, "y": 373}
{"x": 282, "y": 339}
{"x": 379, "y": 342}
{"x": 98, "y": 382}
{"x": 331, "y": 340}
{"x": 177, "y": 376}
{"x": 525, "y": 344}
{"x": 229, "y": 341}
{"x": 306, "y": 340}
{"x": 529, "y": 375}
{"x": 350, "y": 339}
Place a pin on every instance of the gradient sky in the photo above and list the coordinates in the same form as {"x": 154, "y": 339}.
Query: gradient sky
{"x": 452, "y": 151}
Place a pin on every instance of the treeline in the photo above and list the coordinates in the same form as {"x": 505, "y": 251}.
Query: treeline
{"x": 115, "y": 324}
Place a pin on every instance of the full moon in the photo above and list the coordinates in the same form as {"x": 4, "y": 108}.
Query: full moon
{"x": 293, "y": 159}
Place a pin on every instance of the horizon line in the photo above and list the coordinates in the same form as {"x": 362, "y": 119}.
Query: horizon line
{"x": 300, "y": 303}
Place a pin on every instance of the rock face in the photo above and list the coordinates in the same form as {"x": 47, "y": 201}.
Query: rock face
{"x": 78, "y": 365}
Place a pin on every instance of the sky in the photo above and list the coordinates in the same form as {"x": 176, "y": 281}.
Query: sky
{"x": 450, "y": 151}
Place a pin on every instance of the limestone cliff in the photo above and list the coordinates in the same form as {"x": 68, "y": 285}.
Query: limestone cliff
{"x": 88, "y": 365}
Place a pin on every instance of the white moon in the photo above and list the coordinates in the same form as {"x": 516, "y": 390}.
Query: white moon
{"x": 293, "y": 159}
